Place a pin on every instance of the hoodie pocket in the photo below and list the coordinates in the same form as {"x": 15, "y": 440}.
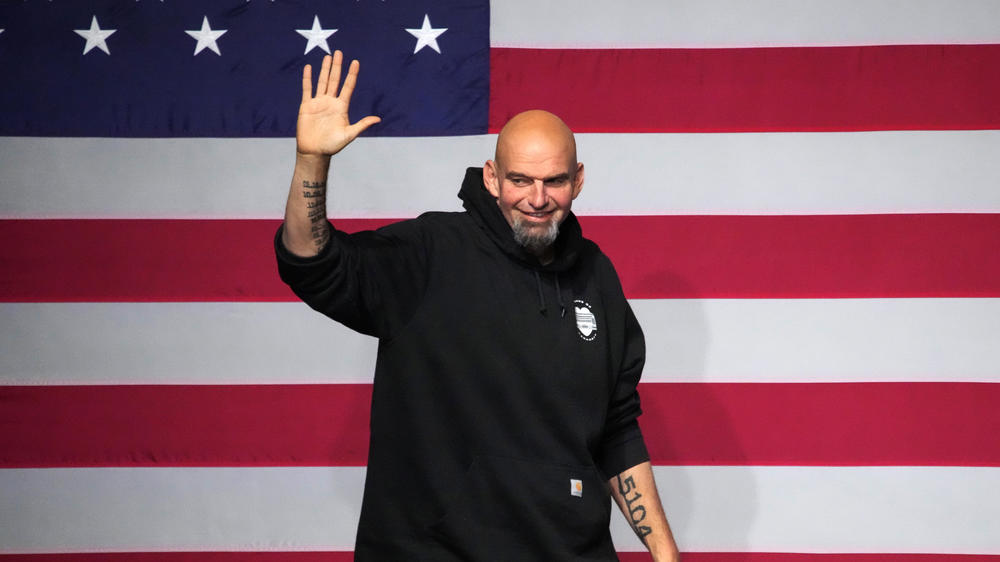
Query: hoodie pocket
{"x": 512, "y": 509}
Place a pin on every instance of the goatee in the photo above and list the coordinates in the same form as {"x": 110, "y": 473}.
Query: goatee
{"x": 535, "y": 238}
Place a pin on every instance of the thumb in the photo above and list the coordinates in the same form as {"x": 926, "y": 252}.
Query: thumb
{"x": 359, "y": 127}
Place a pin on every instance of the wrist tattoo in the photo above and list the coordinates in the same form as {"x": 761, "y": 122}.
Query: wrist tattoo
{"x": 636, "y": 509}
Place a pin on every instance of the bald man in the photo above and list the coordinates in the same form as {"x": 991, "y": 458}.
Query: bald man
{"x": 504, "y": 404}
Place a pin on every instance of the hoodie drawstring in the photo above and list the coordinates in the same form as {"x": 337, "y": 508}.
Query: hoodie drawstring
{"x": 541, "y": 295}
{"x": 559, "y": 299}
{"x": 542, "y": 309}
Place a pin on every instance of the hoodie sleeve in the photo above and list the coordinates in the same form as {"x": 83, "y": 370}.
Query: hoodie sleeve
{"x": 370, "y": 281}
{"x": 622, "y": 445}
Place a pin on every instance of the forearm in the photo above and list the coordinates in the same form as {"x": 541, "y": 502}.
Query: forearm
{"x": 306, "y": 229}
{"x": 634, "y": 490}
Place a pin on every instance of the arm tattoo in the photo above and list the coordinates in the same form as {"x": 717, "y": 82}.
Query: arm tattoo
{"x": 637, "y": 512}
{"x": 316, "y": 191}
{"x": 321, "y": 234}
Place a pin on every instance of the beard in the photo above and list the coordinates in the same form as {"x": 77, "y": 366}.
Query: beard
{"x": 535, "y": 238}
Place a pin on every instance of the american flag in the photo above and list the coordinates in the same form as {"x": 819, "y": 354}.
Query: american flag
{"x": 802, "y": 200}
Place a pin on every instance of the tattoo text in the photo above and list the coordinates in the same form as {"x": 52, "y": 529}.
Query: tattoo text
{"x": 636, "y": 510}
{"x": 316, "y": 191}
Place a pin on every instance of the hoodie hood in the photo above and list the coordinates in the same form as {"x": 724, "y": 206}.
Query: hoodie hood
{"x": 483, "y": 208}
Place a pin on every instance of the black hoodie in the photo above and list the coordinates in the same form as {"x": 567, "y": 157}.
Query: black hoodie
{"x": 505, "y": 390}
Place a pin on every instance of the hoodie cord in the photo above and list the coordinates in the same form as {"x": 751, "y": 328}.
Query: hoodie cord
{"x": 559, "y": 299}
{"x": 541, "y": 296}
{"x": 542, "y": 309}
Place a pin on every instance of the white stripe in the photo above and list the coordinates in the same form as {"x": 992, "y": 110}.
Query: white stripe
{"x": 820, "y": 509}
{"x": 630, "y": 174}
{"x": 164, "y": 509}
{"x": 764, "y": 509}
{"x": 178, "y": 343}
{"x": 738, "y": 23}
{"x": 688, "y": 340}
{"x": 821, "y": 340}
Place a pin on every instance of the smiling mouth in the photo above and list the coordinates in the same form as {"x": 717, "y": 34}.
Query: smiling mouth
{"x": 537, "y": 216}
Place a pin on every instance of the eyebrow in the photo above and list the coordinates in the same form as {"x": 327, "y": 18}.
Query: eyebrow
{"x": 558, "y": 177}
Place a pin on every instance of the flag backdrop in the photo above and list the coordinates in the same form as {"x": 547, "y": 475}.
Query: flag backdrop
{"x": 802, "y": 200}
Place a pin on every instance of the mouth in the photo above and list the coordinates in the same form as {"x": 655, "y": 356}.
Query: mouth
{"x": 537, "y": 216}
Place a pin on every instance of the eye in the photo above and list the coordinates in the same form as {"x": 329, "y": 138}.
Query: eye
{"x": 520, "y": 182}
{"x": 556, "y": 182}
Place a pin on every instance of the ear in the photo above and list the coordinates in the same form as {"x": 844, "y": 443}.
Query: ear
{"x": 578, "y": 180}
{"x": 490, "y": 178}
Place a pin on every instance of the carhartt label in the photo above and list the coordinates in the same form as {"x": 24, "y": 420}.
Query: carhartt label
{"x": 576, "y": 487}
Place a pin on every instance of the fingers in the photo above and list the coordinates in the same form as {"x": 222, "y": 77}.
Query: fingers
{"x": 338, "y": 59}
{"x": 350, "y": 81}
{"x": 329, "y": 78}
{"x": 321, "y": 84}
{"x": 306, "y": 83}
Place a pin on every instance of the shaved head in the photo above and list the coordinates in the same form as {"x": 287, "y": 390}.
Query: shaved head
{"x": 529, "y": 130}
{"x": 534, "y": 175}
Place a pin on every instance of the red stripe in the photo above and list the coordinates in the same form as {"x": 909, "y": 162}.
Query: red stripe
{"x": 821, "y": 424}
{"x": 183, "y": 557}
{"x": 168, "y": 425}
{"x": 812, "y": 557}
{"x": 819, "y": 256}
{"x": 923, "y": 255}
{"x": 759, "y": 89}
{"x": 888, "y": 424}
{"x": 623, "y": 556}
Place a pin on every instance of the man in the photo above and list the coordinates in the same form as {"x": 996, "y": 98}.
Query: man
{"x": 504, "y": 404}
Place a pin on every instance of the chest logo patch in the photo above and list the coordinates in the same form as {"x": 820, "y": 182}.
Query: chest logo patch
{"x": 586, "y": 322}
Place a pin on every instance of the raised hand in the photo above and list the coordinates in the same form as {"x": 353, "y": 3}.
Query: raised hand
{"x": 324, "y": 127}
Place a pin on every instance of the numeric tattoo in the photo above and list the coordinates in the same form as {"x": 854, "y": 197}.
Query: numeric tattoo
{"x": 316, "y": 191}
{"x": 637, "y": 513}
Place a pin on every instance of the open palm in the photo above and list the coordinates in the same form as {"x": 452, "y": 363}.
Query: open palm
{"x": 324, "y": 127}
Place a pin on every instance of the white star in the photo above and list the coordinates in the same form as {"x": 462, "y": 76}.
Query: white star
{"x": 206, "y": 37}
{"x": 95, "y": 36}
{"x": 427, "y": 35}
{"x": 317, "y": 36}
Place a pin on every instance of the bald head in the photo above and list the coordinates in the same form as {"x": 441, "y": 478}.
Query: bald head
{"x": 535, "y": 177}
{"x": 533, "y": 132}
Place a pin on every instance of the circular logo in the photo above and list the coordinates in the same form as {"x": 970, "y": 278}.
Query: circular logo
{"x": 586, "y": 322}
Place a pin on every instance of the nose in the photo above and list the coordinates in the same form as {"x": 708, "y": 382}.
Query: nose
{"x": 538, "y": 198}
